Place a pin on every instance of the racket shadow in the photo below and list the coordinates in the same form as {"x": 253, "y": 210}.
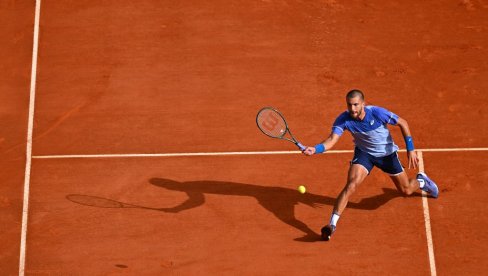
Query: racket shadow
{"x": 101, "y": 202}
{"x": 277, "y": 200}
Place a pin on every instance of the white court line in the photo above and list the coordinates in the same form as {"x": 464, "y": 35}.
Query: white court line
{"x": 132, "y": 155}
{"x": 32, "y": 96}
{"x": 428, "y": 230}
{"x": 175, "y": 154}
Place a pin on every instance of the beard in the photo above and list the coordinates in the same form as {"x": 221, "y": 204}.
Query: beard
{"x": 356, "y": 115}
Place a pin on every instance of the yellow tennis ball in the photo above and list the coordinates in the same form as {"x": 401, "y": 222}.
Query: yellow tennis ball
{"x": 302, "y": 189}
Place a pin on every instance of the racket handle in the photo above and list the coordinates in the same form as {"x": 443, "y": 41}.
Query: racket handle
{"x": 300, "y": 146}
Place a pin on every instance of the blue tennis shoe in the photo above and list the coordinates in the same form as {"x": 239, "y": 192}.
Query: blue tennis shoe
{"x": 430, "y": 186}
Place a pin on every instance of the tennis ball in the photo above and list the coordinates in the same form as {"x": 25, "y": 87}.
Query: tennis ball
{"x": 302, "y": 189}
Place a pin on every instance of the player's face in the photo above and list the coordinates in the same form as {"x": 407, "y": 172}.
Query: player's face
{"x": 355, "y": 106}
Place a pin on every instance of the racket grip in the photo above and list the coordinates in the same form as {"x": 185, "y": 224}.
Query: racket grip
{"x": 300, "y": 146}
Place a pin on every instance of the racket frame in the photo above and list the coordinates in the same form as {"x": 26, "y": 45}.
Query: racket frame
{"x": 287, "y": 129}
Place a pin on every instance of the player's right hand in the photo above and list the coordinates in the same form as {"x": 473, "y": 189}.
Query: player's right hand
{"x": 309, "y": 151}
{"x": 413, "y": 160}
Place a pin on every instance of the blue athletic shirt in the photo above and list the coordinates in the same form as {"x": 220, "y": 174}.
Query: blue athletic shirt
{"x": 370, "y": 135}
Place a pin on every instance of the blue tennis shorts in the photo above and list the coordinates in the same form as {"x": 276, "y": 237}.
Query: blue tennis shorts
{"x": 390, "y": 164}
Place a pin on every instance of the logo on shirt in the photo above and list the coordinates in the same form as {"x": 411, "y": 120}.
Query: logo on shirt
{"x": 372, "y": 122}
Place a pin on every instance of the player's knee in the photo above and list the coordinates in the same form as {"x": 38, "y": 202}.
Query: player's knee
{"x": 351, "y": 187}
{"x": 406, "y": 191}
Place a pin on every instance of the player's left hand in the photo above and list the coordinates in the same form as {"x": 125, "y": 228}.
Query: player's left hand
{"x": 413, "y": 160}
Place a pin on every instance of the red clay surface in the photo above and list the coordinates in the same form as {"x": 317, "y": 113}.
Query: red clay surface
{"x": 166, "y": 76}
{"x": 172, "y": 77}
{"x": 217, "y": 215}
{"x": 459, "y": 218}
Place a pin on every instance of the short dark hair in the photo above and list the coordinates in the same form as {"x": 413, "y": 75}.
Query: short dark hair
{"x": 355, "y": 93}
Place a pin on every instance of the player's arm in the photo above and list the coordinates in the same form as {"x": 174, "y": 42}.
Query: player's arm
{"x": 325, "y": 145}
{"x": 412, "y": 156}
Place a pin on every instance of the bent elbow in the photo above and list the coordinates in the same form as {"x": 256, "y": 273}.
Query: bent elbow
{"x": 402, "y": 122}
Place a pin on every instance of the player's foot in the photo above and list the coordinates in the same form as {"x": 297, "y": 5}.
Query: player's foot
{"x": 430, "y": 186}
{"x": 327, "y": 232}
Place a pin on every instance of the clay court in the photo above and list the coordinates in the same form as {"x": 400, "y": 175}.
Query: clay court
{"x": 129, "y": 143}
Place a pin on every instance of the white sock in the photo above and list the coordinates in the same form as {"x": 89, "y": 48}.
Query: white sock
{"x": 334, "y": 218}
{"x": 421, "y": 183}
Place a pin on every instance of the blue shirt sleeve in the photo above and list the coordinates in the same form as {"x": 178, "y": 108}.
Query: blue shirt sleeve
{"x": 385, "y": 116}
{"x": 340, "y": 124}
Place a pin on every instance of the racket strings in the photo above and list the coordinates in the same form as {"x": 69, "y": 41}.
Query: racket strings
{"x": 271, "y": 123}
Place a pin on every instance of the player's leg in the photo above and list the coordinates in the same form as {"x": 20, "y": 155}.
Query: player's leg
{"x": 403, "y": 184}
{"x": 359, "y": 169}
{"x": 408, "y": 186}
{"x": 357, "y": 174}
{"x": 391, "y": 165}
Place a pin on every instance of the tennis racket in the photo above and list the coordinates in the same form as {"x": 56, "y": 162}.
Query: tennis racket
{"x": 272, "y": 123}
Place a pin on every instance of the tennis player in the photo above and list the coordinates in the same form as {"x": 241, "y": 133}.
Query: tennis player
{"x": 374, "y": 147}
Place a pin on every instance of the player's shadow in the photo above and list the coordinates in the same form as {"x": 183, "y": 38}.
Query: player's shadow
{"x": 277, "y": 200}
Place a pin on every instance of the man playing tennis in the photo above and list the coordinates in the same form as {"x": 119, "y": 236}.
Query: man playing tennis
{"x": 374, "y": 146}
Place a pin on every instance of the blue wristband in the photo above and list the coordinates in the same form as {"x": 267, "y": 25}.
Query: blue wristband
{"x": 409, "y": 143}
{"x": 319, "y": 148}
